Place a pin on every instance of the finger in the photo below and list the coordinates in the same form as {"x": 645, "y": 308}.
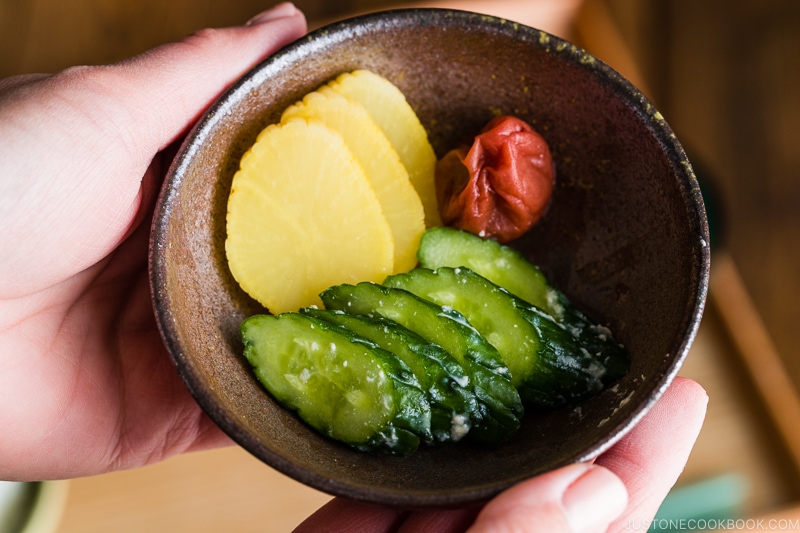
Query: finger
{"x": 183, "y": 78}
{"x": 440, "y": 520}
{"x": 345, "y": 516}
{"x": 651, "y": 457}
{"x": 577, "y": 498}
{"x": 79, "y": 143}
{"x": 154, "y": 96}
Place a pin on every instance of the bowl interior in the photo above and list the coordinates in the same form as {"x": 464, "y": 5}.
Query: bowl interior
{"x": 625, "y": 238}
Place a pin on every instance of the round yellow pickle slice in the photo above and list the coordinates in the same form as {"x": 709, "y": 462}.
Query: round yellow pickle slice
{"x": 302, "y": 216}
{"x": 390, "y": 110}
{"x": 389, "y": 178}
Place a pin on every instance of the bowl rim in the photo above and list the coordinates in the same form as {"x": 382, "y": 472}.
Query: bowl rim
{"x": 342, "y": 30}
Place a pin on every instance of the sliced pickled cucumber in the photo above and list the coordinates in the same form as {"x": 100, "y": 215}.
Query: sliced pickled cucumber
{"x": 500, "y": 264}
{"x": 501, "y": 406}
{"x": 346, "y": 388}
{"x": 566, "y": 372}
{"x": 509, "y": 269}
{"x": 453, "y": 404}
{"x": 486, "y": 306}
{"x": 548, "y": 365}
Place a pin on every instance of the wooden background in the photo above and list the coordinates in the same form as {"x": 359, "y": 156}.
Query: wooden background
{"x": 725, "y": 74}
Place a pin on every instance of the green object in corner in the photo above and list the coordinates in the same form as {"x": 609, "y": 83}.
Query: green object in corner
{"x": 703, "y": 505}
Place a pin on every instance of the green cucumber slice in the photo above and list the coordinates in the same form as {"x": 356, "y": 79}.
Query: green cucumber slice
{"x": 502, "y": 265}
{"x": 500, "y": 403}
{"x": 453, "y": 404}
{"x": 508, "y": 268}
{"x": 567, "y": 372}
{"x": 486, "y": 306}
{"x": 549, "y": 366}
{"x": 345, "y": 387}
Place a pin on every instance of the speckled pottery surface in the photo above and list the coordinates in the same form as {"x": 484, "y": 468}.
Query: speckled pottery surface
{"x": 625, "y": 238}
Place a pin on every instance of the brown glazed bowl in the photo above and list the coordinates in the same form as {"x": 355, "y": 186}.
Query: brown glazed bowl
{"x": 625, "y": 238}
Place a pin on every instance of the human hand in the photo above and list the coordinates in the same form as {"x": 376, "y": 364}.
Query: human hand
{"x": 86, "y": 385}
{"x": 620, "y": 491}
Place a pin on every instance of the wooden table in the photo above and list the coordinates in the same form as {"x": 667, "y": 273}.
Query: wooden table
{"x": 213, "y": 491}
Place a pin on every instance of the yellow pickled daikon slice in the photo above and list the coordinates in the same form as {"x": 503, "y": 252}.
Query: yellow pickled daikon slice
{"x": 398, "y": 198}
{"x": 302, "y": 216}
{"x": 390, "y": 110}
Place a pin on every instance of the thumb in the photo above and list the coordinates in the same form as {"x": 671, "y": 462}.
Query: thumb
{"x": 580, "y": 498}
{"x": 100, "y": 129}
{"x": 186, "y": 76}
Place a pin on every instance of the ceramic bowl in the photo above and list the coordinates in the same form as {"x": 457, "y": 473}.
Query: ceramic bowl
{"x": 625, "y": 238}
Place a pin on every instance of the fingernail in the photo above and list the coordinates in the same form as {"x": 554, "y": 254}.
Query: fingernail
{"x": 284, "y": 10}
{"x": 594, "y": 500}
